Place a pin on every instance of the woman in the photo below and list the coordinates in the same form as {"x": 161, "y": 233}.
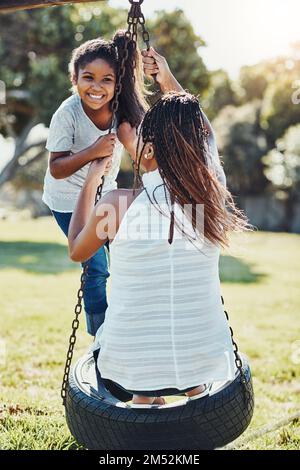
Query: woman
{"x": 165, "y": 331}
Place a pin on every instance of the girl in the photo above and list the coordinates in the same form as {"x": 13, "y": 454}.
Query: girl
{"x": 78, "y": 136}
{"x": 165, "y": 330}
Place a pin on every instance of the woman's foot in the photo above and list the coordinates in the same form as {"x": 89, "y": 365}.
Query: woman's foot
{"x": 141, "y": 400}
{"x": 197, "y": 391}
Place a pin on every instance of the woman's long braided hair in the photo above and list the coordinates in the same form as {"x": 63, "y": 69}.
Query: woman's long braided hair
{"x": 176, "y": 128}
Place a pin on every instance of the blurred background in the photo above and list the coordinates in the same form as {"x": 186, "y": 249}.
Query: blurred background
{"x": 241, "y": 58}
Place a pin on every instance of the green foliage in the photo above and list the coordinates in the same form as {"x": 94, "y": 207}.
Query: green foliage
{"x": 278, "y": 111}
{"x": 283, "y": 163}
{"x": 242, "y": 143}
{"x": 173, "y": 36}
{"x": 44, "y": 98}
{"x": 35, "y": 49}
{"x": 31, "y": 175}
{"x": 274, "y": 83}
{"x": 221, "y": 93}
{"x": 253, "y": 82}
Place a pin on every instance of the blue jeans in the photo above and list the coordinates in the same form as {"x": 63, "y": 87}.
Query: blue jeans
{"x": 94, "y": 293}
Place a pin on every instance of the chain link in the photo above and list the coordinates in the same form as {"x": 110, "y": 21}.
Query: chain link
{"x": 72, "y": 340}
{"x": 131, "y": 34}
{"x": 238, "y": 362}
{"x": 134, "y": 17}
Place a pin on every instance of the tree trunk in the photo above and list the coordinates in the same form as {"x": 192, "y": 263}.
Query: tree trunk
{"x": 20, "y": 148}
{"x": 289, "y": 211}
{"x": 7, "y": 6}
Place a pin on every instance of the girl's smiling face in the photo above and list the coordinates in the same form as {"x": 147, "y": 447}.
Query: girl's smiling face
{"x": 96, "y": 84}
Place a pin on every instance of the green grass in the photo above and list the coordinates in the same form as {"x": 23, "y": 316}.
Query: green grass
{"x": 38, "y": 285}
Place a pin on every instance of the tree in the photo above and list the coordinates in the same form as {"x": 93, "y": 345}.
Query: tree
{"x": 174, "y": 37}
{"x": 253, "y": 82}
{"x": 273, "y": 82}
{"x": 279, "y": 112}
{"x": 35, "y": 49}
{"x": 279, "y": 109}
{"x": 220, "y": 93}
{"x": 242, "y": 144}
{"x": 283, "y": 168}
{"x": 14, "y": 5}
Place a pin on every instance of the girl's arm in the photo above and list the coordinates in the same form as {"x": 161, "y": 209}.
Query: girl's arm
{"x": 64, "y": 164}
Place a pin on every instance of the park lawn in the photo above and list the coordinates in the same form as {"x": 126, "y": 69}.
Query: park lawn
{"x": 38, "y": 283}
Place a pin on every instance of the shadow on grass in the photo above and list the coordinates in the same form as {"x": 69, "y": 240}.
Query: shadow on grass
{"x": 35, "y": 257}
{"x": 238, "y": 271}
{"x": 52, "y": 258}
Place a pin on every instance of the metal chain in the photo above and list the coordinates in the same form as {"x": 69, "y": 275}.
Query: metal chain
{"x": 133, "y": 19}
{"x": 145, "y": 33}
{"x": 131, "y": 34}
{"x": 238, "y": 361}
{"x": 72, "y": 340}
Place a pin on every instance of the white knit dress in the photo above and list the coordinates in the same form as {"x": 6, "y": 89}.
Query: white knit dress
{"x": 165, "y": 326}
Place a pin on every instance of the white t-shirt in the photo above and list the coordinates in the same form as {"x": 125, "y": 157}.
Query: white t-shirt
{"x": 72, "y": 130}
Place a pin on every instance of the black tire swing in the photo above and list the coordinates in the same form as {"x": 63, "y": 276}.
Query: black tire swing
{"x": 98, "y": 413}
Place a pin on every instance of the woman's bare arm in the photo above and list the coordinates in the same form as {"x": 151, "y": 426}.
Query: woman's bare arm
{"x": 91, "y": 226}
{"x": 84, "y": 235}
{"x": 155, "y": 63}
{"x": 88, "y": 233}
